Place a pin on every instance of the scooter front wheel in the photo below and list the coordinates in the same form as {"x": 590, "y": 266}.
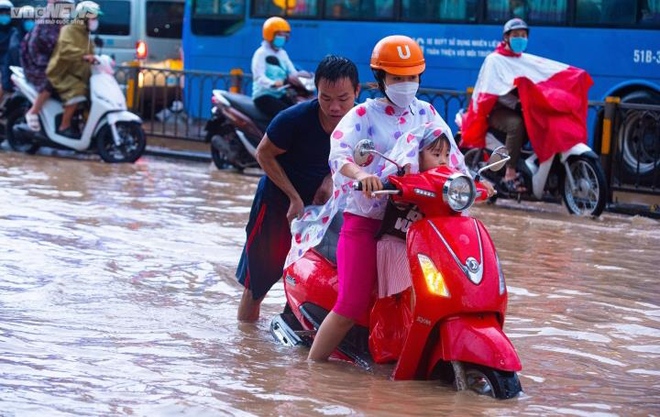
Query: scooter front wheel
{"x": 487, "y": 381}
{"x": 132, "y": 142}
{"x": 589, "y": 194}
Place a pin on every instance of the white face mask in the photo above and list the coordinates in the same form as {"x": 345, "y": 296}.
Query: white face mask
{"x": 92, "y": 24}
{"x": 402, "y": 94}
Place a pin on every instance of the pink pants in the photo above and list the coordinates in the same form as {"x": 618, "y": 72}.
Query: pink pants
{"x": 356, "y": 265}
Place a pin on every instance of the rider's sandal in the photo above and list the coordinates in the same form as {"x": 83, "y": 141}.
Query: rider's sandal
{"x": 32, "y": 121}
{"x": 513, "y": 186}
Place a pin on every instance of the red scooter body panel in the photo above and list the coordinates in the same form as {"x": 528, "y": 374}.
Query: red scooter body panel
{"x": 475, "y": 339}
{"x": 313, "y": 279}
{"x": 449, "y": 242}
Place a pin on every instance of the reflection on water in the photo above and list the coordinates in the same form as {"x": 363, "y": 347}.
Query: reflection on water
{"x": 117, "y": 297}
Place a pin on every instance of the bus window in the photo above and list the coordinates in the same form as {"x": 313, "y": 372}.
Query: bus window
{"x": 650, "y": 13}
{"x": 532, "y": 11}
{"x": 547, "y": 11}
{"x": 587, "y": 12}
{"x": 224, "y": 7}
{"x": 304, "y": 8}
{"x": 213, "y": 17}
{"x": 419, "y": 10}
{"x": 267, "y": 8}
{"x": 463, "y": 10}
{"x": 116, "y": 18}
{"x": 385, "y": 9}
{"x": 164, "y": 19}
{"x": 351, "y": 9}
{"x": 617, "y": 12}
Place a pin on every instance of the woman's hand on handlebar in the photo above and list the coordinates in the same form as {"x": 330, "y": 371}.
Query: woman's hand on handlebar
{"x": 369, "y": 183}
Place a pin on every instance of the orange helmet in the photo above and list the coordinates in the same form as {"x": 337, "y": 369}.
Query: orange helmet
{"x": 398, "y": 55}
{"x": 272, "y": 25}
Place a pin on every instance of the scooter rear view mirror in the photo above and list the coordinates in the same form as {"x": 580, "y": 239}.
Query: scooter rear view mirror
{"x": 498, "y": 159}
{"x": 363, "y": 153}
{"x": 496, "y": 162}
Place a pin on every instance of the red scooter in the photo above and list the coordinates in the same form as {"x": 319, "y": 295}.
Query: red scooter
{"x": 458, "y": 298}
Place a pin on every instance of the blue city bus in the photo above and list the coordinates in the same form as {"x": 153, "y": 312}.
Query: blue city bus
{"x": 616, "y": 41}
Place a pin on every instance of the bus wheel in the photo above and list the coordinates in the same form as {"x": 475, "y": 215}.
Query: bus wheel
{"x": 637, "y": 146}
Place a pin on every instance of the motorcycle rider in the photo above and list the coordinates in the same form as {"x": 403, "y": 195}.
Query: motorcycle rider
{"x": 294, "y": 155}
{"x": 506, "y": 115}
{"x": 66, "y": 71}
{"x": 270, "y": 68}
{"x": 36, "y": 49}
{"x": 26, "y": 14}
{"x": 397, "y": 63}
{"x": 7, "y": 32}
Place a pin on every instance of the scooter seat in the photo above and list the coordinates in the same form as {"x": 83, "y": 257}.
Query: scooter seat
{"x": 328, "y": 246}
{"x": 245, "y": 105}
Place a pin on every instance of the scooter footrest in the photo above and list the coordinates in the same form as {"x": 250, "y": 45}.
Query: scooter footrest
{"x": 356, "y": 343}
{"x": 286, "y": 328}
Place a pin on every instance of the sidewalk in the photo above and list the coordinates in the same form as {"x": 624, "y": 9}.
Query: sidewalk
{"x": 178, "y": 148}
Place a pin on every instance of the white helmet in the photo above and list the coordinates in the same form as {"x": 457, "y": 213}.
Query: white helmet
{"x": 87, "y": 10}
{"x": 6, "y": 4}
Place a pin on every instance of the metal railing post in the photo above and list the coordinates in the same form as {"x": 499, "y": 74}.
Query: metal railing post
{"x": 132, "y": 86}
{"x": 611, "y": 104}
{"x": 236, "y": 77}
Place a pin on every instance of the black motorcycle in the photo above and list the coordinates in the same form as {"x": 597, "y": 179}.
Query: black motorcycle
{"x": 237, "y": 125}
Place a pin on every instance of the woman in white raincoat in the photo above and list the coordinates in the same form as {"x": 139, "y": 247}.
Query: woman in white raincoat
{"x": 397, "y": 62}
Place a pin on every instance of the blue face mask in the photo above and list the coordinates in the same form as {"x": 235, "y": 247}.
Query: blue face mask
{"x": 28, "y": 25}
{"x": 5, "y": 19}
{"x": 279, "y": 41}
{"x": 518, "y": 45}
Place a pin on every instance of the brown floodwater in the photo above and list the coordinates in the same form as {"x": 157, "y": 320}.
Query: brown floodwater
{"x": 118, "y": 297}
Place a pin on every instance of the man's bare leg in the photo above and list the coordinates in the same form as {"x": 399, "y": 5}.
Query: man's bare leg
{"x": 67, "y": 115}
{"x": 248, "y": 309}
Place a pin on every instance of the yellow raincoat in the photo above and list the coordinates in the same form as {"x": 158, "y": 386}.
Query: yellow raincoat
{"x": 66, "y": 70}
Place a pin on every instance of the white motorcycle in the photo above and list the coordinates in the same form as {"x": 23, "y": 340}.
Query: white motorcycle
{"x": 576, "y": 175}
{"x": 110, "y": 129}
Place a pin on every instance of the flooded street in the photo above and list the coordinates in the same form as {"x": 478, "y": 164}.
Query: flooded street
{"x": 118, "y": 297}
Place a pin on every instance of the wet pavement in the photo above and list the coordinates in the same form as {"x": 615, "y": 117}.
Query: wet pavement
{"x": 118, "y": 298}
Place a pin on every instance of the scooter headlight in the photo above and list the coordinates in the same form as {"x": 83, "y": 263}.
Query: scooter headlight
{"x": 459, "y": 192}
{"x": 435, "y": 282}
{"x": 500, "y": 274}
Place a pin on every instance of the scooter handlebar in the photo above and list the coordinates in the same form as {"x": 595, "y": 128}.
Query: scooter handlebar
{"x": 388, "y": 189}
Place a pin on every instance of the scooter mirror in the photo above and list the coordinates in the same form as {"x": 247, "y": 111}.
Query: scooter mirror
{"x": 98, "y": 42}
{"x": 498, "y": 159}
{"x": 363, "y": 153}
